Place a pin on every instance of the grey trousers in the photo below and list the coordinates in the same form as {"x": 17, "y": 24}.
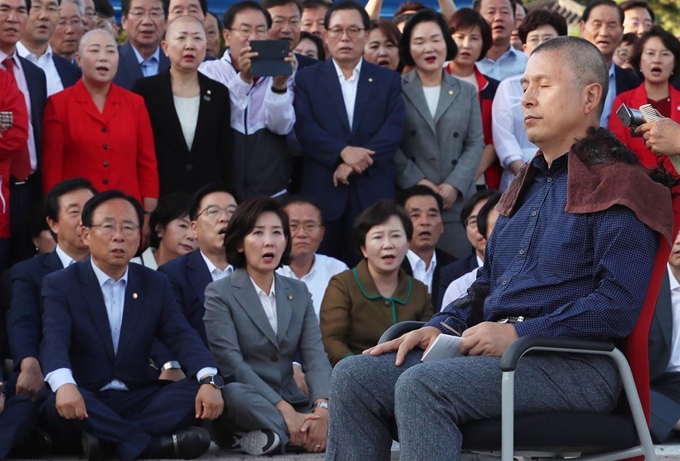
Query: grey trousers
{"x": 373, "y": 401}
{"x": 247, "y": 410}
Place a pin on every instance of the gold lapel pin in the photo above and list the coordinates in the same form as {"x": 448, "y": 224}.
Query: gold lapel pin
{"x": 370, "y": 80}
{"x": 290, "y": 297}
{"x": 208, "y": 92}
{"x": 135, "y": 295}
{"x": 451, "y": 92}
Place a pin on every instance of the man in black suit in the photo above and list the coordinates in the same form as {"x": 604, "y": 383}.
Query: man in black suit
{"x": 424, "y": 260}
{"x": 468, "y": 216}
{"x": 24, "y": 320}
{"x": 34, "y": 46}
{"x": 664, "y": 353}
{"x": 141, "y": 56}
{"x": 602, "y": 25}
{"x": 25, "y": 184}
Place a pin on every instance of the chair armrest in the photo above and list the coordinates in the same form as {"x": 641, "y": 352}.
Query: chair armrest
{"x": 399, "y": 329}
{"x": 548, "y": 343}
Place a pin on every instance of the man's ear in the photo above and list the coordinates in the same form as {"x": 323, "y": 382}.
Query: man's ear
{"x": 592, "y": 95}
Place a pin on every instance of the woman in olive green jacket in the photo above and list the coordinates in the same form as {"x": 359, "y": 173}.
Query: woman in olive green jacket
{"x": 360, "y": 304}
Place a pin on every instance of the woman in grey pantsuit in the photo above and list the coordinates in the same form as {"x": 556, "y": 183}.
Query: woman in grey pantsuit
{"x": 443, "y": 138}
{"x": 256, "y": 321}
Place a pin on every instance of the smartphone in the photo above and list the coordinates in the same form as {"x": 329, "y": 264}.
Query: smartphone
{"x": 270, "y": 59}
{"x": 7, "y": 119}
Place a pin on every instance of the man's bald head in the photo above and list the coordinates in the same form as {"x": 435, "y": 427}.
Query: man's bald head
{"x": 183, "y": 21}
{"x": 96, "y": 34}
{"x": 583, "y": 59}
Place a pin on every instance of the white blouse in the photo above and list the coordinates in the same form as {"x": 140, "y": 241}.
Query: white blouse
{"x": 187, "y": 112}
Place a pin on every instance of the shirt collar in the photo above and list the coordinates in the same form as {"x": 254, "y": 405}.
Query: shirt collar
{"x": 480, "y": 261}
{"x": 102, "y": 278}
{"x": 674, "y": 282}
{"x": 63, "y": 257}
{"x": 15, "y": 58}
{"x": 355, "y": 72}
{"x": 612, "y": 70}
{"x": 259, "y": 290}
{"x": 24, "y": 52}
{"x": 414, "y": 259}
{"x": 212, "y": 267}
{"x": 155, "y": 56}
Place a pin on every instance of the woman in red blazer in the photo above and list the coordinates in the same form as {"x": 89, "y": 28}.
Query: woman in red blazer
{"x": 99, "y": 131}
{"x": 657, "y": 57}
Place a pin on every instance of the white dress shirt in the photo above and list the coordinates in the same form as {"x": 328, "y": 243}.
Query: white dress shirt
{"x": 253, "y": 106}
{"x": 510, "y": 63}
{"x": 151, "y": 65}
{"x": 420, "y": 271}
{"x": 611, "y": 96}
{"x": 65, "y": 259}
{"x": 215, "y": 272}
{"x": 507, "y": 122}
{"x": 674, "y": 362}
{"x": 460, "y": 286}
{"x": 187, "y": 113}
{"x": 46, "y": 63}
{"x": 268, "y": 301}
{"x": 20, "y": 78}
{"x": 349, "y": 88}
{"x": 317, "y": 279}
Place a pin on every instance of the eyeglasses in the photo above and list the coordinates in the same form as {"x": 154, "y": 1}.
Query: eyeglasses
{"x": 352, "y": 32}
{"x": 73, "y": 22}
{"x": 246, "y": 31}
{"x": 623, "y": 54}
{"x": 213, "y": 211}
{"x": 108, "y": 229}
{"x": 49, "y": 8}
{"x": 309, "y": 228}
{"x": 139, "y": 14}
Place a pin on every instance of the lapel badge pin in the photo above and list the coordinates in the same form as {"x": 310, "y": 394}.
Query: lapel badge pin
{"x": 370, "y": 80}
{"x": 451, "y": 92}
{"x": 135, "y": 295}
{"x": 290, "y": 297}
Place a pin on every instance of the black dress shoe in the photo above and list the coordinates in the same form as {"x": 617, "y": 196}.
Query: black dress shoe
{"x": 91, "y": 447}
{"x": 36, "y": 445}
{"x": 188, "y": 443}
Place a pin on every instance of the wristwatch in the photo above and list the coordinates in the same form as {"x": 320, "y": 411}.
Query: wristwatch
{"x": 321, "y": 404}
{"x": 215, "y": 380}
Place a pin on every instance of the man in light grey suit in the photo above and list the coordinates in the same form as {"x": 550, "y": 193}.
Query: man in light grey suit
{"x": 255, "y": 322}
{"x": 443, "y": 138}
{"x": 664, "y": 353}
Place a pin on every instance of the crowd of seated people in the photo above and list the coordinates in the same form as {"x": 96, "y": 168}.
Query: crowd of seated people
{"x": 193, "y": 252}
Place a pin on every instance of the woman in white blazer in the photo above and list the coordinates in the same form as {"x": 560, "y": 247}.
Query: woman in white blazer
{"x": 443, "y": 137}
{"x": 255, "y": 322}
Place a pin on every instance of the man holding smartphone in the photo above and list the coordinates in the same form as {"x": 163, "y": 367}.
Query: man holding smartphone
{"x": 262, "y": 107}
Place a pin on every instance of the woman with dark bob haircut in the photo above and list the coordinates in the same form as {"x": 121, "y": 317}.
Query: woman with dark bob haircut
{"x": 171, "y": 234}
{"x": 656, "y": 56}
{"x": 472, "y": 35}
{"x": 360, "y": 304}
{"x": 255, "y": 322}
{"x": 444, "y": 140}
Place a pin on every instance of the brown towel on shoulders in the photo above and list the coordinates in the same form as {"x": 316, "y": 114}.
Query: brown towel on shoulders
{"x": 593, "y": 187}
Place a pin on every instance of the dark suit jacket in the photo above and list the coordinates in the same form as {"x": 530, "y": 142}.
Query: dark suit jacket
{"x": 625, "y": 80}
{"x": 304, "y": 61}
{"x": 443, "y": 261}
{"x": 323, "y": 130}
{"x": 450, "y": 273}
{"x": 661, "y": 331}
{"x": 181, "y": 169}
{"x": 189, "y": 276}
{"x": 37, "y": 88}
{"x": 68, "y": 72}
{"x": 24, "y": 319}
{"x": 129, "y": 70}
{"x": 77, "y": 334}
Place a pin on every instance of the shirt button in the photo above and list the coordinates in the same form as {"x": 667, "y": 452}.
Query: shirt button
{"x": 106, "y": 147}
{"x": 103, "y": 130}
{"x": 105, "y": 181}
{"x": 504, "y": 282}
{"x": 274, "y": 358}
{"x": 521, "y": 252}
{"x": 387, "y": 304}
{"x": 190, "y": 168}
{"x": 105, "y": 164}
{"x": 534, "y": 213}
{"x": 549, "y": 179}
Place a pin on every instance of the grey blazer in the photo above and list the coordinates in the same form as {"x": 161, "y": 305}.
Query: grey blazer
{"x": 446, "y": 149}
{"x": 248, "y": 350}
